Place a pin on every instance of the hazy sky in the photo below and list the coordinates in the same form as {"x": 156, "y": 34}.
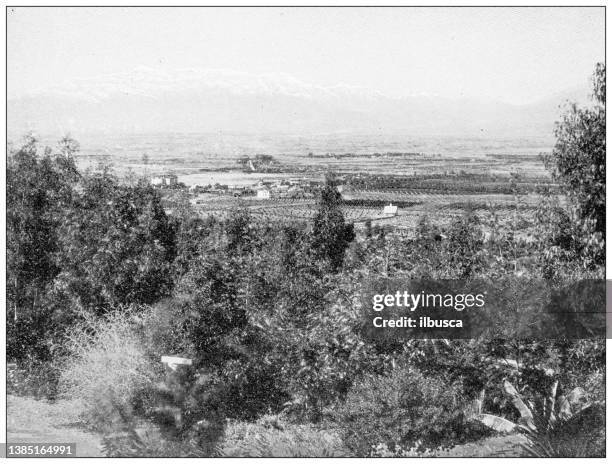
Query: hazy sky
{"x": 513, "y": 54}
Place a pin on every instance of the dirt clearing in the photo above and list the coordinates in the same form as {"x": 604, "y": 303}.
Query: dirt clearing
{"x": 38, "y": 421}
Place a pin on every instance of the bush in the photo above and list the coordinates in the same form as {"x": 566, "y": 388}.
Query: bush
{"x": 32, "y": 378}
{"x": 595, "y": 386}
{"x": 403, "y": 409}
{"x": 272, "y": 437}
{"x": 163, "y": 330}
{"x": 138, "y": 443}
{"x": 582, "y": 435}
{"x": 106, "y": 366}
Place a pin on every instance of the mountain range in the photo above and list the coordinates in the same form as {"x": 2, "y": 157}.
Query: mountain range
{"x": 193, "y": 101}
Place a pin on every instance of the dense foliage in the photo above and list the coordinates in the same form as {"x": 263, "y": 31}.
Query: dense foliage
{"x": 402, "y": 408}
{"x": 39, "y": 191}
{"x": 578, "y": 161}
{"x": 102, "y": 278}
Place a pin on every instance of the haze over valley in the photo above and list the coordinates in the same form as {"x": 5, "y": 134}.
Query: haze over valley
{"x": 229, "y": 102}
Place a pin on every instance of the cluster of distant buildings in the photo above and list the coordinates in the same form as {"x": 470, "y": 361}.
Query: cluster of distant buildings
{"x": 289, "y": 188}
{"x": 263, "y": 190}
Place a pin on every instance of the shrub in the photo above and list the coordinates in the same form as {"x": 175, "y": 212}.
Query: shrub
{"x": 272, "y": 437}
{"x": 582, "y": 435}
{"x": 149, "y": 443}
{"x": 595, "y": 386}
{"x": 163, "y": 330}
{"x": 105, "y": 367}
{"x": 32, "y": 378}
{"x": 268, "y": 437}
{"x": 402, "y": 409}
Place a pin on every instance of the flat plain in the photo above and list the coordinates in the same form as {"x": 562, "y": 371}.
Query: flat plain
{"x": 439, "y": 177}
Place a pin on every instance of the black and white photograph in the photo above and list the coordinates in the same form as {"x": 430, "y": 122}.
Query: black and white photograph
{"x": 305, "y": 231}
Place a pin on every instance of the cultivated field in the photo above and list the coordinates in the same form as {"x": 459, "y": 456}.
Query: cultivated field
{"x": 433, "y": 175}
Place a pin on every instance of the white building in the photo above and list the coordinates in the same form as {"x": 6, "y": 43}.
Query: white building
{"x": 390, "y": 210}
{"x": 170, "y": 179}
{"x": 263, "y": 194}
{"x": 166, "y": 180}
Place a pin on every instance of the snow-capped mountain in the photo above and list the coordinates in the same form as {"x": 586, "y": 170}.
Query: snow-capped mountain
{"x": 207, "y": 100}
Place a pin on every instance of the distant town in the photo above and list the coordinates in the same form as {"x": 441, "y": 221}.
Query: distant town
{"x": 264, "y": 190}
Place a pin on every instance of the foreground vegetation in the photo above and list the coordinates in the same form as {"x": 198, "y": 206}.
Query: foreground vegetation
{"x": 102, "y": 282}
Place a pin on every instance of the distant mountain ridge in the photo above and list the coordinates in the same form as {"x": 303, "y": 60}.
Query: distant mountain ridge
{"x": 192, "y": 100}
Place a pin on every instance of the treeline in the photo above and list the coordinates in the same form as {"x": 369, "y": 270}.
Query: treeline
{"x": 373, "y": 155}
{"x": 83, "y": 244}
{"x": 464, "y": 183}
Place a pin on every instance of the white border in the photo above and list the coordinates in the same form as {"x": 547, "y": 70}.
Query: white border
{"x": 270, "y": 3}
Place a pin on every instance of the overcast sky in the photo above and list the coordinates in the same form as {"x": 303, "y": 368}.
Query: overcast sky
{"x": 516, "y": 55}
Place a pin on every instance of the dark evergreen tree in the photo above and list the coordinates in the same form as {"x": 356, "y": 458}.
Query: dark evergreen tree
{"x": 330, "y": 234}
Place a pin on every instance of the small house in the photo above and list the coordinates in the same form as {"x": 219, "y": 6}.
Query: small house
{"x": 390, "y": 210}
{"x": 167, "y": 180}
{"x": 170, "y": 180}
{"x": 263, "y": 194}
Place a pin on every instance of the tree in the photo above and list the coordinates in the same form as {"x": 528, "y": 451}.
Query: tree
{"x": 116, "y": 247}
{"x": 330, "y": 234}
{"x": 39, "y": 188}
{"x": 577, "y": 162}
{"x": 465, "y": 244}
{"x": 239, "y": 232}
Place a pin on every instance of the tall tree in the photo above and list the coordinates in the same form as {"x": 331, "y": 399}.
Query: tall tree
{"x": 39, "y": 188}
{"x": 330, "y": 234}
{"x": 577, "y": 162}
